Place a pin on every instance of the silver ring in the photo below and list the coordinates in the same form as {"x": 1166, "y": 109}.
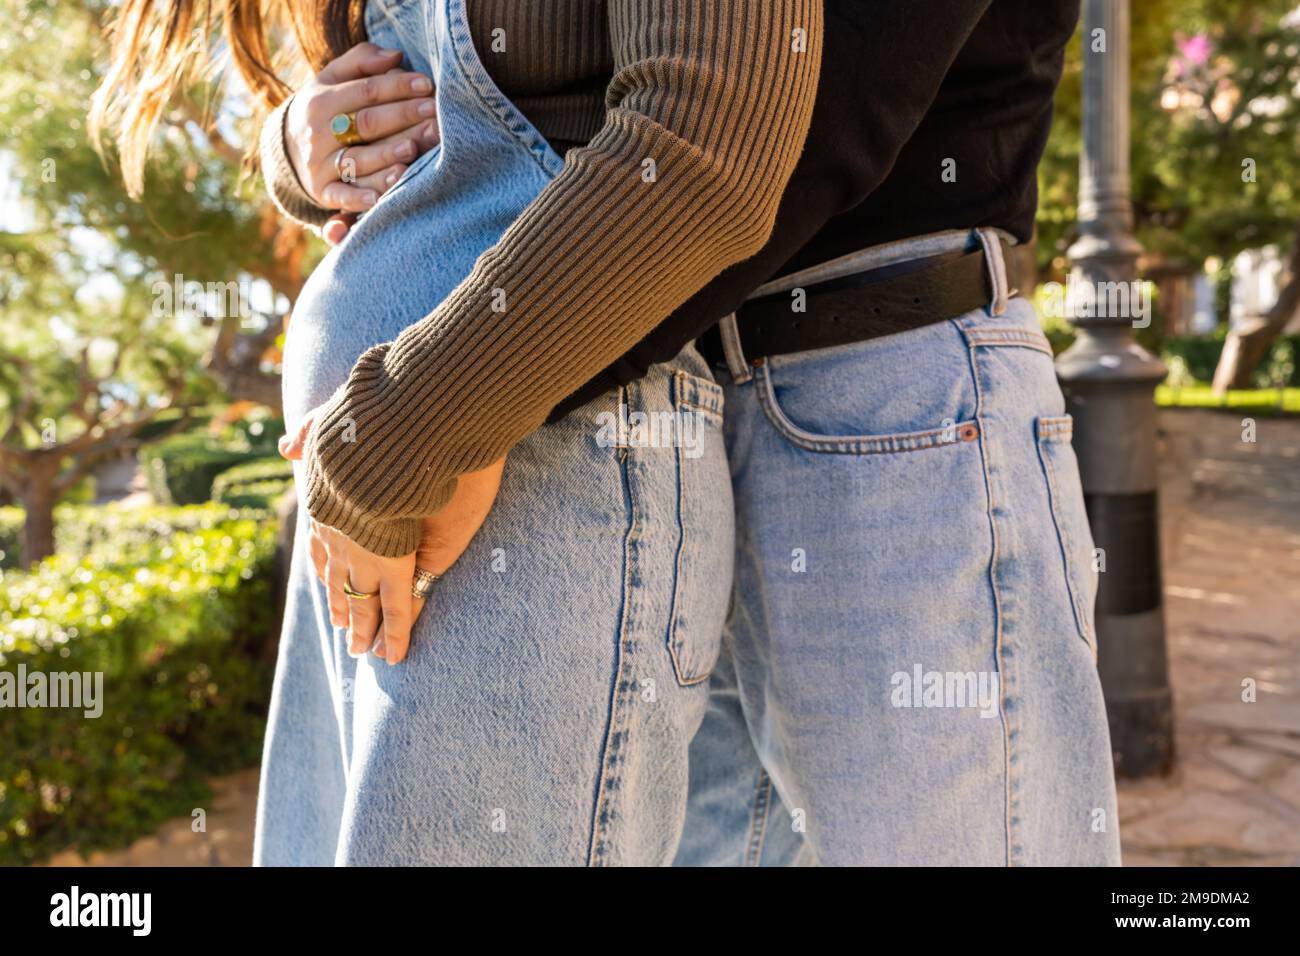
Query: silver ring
{"x": 424, "y": 582}
{"x": 338, "y": 163}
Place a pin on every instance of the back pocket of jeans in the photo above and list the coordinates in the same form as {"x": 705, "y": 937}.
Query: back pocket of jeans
{"x": 1061, "y": 468}
{"x": 705, "y": 530}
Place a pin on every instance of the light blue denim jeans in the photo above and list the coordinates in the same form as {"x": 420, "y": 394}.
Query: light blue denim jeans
{"x": 908, "y": 672}
{"x": 560, "y": 671}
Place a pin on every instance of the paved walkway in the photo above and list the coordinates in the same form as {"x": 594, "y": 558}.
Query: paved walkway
{"x": 1231, "y": 514}
{"x": 1231, "y": 517}
{"x": 228, "y": 840}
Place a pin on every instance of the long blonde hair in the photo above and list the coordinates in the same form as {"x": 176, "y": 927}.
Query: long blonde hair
{"x": 160, "y": 46}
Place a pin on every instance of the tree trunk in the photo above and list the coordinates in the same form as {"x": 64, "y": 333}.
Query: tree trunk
{"x": 38, "y": 526}
{"x": 287, "y": 514}
{"x": 1245, "y": 348}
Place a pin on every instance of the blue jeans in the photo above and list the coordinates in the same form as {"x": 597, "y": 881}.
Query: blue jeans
{"x": 555, "y": 681}
{"x": 909, "y": 664}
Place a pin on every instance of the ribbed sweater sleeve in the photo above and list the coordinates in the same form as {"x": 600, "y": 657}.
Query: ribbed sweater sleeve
{"x": 281, "y": 179}
{"x": 718, "y": 94}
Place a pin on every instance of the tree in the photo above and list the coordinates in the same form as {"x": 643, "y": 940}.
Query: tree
{"x": 1215, "y": 137}
{"x": 89, "y": 351}
{"x": 80, "y": 389}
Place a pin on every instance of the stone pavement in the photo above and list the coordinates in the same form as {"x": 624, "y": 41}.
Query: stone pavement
{"x": 1231, "y": 541}
{"x": 1231, "y": 544}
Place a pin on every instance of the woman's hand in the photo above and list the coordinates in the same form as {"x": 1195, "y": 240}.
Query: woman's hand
{"x": 396, "y": 115}
{"x": 382, "y": 624}
{"x": 368, "y": 594}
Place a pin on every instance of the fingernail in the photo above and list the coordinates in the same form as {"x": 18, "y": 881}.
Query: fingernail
{"x": 405, "y": 149}
{"x": 379, "y": 648}
{"x": 422, "y": 84}
{"x": 428, "y": 108}
{"x": 369, "y": 198}
{"x": 390, "y": 178}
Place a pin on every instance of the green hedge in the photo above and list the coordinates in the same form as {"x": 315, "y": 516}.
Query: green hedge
{"x": 81, "y": 529}
{"x": 170, "y": 608}
{"x": 11, "y": 536}
{"x": 257, "y": 484}
{"x": 181, "y": 469}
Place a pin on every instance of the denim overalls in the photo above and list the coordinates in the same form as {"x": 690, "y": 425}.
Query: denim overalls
{"x": 561, "y": 669}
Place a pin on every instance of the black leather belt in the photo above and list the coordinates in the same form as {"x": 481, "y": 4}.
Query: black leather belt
{"x": 885, "y": 301}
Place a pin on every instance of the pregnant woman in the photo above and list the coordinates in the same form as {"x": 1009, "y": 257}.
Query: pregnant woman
{"x": 947, "y": 537}
{"x": 545, "y": 701}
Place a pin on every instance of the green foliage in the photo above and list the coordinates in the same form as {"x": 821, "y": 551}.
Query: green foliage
{"x": 257, "y": 484}
{"x": 11, "y": 536}
{"x": 196, "y": 217}
{"x": 81, "y": 530}
{"x": 1060, "y": 333}
{"x": 172, "y": 622}
{"x": 1214, "y": 83}
{"x": 1251, "y": 401}
{"x": 1199, "y": 357}
{"x": 88, "y": 277}
{"x": 183, "y": 468}
{"x": 168, "y": 421}
{"x": 137, "y": 533}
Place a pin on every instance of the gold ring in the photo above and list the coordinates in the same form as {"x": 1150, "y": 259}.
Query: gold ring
{"x": 424, "y": 581}
{"x": 344, "y": 128}
{"x": 361, "y": 595}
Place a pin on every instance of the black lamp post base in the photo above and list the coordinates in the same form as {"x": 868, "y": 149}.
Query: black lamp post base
{"x": 1142, "y": 734}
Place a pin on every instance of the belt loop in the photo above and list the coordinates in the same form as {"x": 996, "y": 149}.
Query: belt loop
{"x": 731, "y": 349}
{"x": 997, "y": 269}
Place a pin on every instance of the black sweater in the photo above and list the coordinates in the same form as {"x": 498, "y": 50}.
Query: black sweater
{"x": 906, "y": 85}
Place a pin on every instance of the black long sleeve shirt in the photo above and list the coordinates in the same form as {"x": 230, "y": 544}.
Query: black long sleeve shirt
{"x": 908, "y": 89}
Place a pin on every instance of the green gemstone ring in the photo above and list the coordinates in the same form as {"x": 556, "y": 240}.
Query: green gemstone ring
{"x": 344, "y": 128}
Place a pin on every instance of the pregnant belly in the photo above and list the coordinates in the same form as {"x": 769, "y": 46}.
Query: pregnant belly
{"x": 396, "y": 265}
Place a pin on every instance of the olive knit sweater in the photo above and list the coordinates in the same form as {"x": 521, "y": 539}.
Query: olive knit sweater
{"x": 719, "y": 93}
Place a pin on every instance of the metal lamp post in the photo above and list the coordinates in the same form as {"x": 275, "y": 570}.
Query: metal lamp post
{"x": 1109, "y": 382}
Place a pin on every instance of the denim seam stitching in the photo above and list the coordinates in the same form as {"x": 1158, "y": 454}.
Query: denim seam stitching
{"x": 985, "y": 455}
{"x": 711, "y": 414}
{"x": 1064, "y": 538}
{"x": 1059, "y": 428}
{"x": 492, "y": 99}
{"x": 596, "y": 844}
{"x": 758, "y": 818}
{"x": 679, "y": 666}
{"x": 698, "y": 395}
{"x": 1008, "y": 338}
{"x": 893, "y": 444}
